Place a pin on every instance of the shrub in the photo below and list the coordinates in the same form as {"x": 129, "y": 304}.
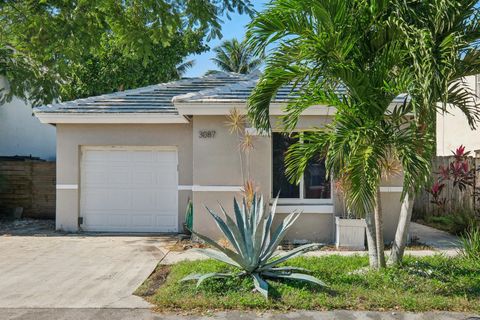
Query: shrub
{"x": 471, "y": 245}
{"x": 254, "y": 246}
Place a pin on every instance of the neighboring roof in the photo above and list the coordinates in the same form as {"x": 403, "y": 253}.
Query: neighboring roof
{"x": 151, "y": 99}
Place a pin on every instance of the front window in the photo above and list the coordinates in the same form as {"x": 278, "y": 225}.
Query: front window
{"x": 313, "y": 185}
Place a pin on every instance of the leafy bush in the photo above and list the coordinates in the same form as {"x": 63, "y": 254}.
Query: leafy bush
{"x": 254, "y": 246}
{"x": 471, "y": 245}
{"x": 457, "y": 222}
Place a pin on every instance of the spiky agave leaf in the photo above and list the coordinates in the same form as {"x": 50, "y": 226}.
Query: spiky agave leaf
{"x": 260, "y": 284}
{"x": 231, "y": 254}
{"x": 295, "y": 276}
{"x": 202, "y": 277}
{"x": 291, "y": 254}
{"x": 217, "y": 255}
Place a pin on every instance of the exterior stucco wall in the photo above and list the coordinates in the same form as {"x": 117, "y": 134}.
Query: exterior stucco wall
{"x": 216, "y": 163}
{"x": 209, "y": 166}
{"x": 453, "y": 129}
{"x": 72, "y": 137}
{"x": 23, "y": 134}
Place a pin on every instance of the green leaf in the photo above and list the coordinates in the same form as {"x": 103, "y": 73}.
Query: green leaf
{"x": 260, "y": 284}
{"x": 295, "y": 276}
{"x": 206, "y": 276}
{"x": 292, "y": 253}
{"x": 217, "y": 255}
{"x": 190, "y": 277}
{"x": 232, "y": 255}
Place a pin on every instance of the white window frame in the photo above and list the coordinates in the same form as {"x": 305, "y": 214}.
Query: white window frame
{"x": 300, "y": 200}
{"x": 477, "y": 85}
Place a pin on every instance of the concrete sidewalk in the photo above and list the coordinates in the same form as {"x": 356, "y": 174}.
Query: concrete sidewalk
{"x": 437, "y": 239}
{"x": 145, "y": 314}
{"x": 441, "y": 243}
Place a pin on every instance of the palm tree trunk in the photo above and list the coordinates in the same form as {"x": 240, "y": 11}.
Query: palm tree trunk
{"x": 398, "y": 247}
{"x": 371, "y": 241}
{"x": 380, "y": 245}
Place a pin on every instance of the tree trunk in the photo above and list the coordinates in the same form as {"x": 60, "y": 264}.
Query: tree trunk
{"x": 380, "y": 244}
{"x": 371, "y": 241}
{"x": 398, "y": 247}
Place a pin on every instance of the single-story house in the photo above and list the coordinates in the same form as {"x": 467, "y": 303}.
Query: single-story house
{"x": 130, "y": 161}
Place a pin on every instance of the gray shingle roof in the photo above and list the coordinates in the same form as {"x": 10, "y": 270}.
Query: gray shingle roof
{"x": 216, "y": 88}
{"x": 241, "y": 90}
{"x": 151, "y": 99}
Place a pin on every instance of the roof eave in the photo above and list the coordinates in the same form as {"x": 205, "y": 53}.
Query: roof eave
{"x": 109, "y": 118}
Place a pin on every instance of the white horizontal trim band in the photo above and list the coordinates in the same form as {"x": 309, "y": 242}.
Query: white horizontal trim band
{"x": 328, "y": 209}
{"x": 188, "y": 188}
{"x": 222, "y": 107}
{"x": 67, "y": 186}
{"x": 121, "y": 118}
{"x": 217, "y": 188}
{"x": 391, "y": 189}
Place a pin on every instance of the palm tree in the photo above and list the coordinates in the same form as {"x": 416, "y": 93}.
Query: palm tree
{"x": 324, "y": 46}
{"x": 183, "y": 67}
{"x": 235, "y": 56}
{"x": 442, "y": 40}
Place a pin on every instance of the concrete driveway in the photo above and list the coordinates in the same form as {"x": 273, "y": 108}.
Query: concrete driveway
{"x": 76, "y": 271}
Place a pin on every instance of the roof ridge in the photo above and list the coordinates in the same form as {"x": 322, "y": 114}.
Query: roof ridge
{"x": 244, "y": 83}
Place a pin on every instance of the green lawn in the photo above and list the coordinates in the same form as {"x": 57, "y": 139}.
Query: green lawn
{"x": 431, "y": 283}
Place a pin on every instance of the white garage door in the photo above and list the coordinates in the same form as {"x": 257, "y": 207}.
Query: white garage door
{"x": 129, "y": 189}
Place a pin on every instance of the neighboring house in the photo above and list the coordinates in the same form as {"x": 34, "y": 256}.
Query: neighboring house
{"x": 453, "y": 129}
{"x": 130, "y": 161}
{"x": 22, "y": 134}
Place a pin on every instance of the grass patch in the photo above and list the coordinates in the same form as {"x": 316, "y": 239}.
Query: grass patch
{"x": 423, "y": 284}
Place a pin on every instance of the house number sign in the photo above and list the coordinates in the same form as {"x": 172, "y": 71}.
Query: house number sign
{"x": 207, "y": 134}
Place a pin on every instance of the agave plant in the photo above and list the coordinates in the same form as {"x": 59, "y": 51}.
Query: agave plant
{"x": 253, "y": 246}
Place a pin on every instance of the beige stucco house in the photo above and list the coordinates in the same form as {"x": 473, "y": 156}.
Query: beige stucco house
{"x": 131, "y": 161}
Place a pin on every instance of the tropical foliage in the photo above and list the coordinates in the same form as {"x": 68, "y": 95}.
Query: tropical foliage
{"x": 361, "y": 58}
{"x": 113, "y": 70}
{"x": 441, "y": 39}
{"x": 235, "y": 56}
{"x": 471, "y": 245}
{"x": 19, "y": 71}
{"x": 253, "y": 246}
{"x": 90, "y": 44}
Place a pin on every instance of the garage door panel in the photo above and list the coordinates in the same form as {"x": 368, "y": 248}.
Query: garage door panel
{"x": 98, "y": 220}
{"x": 118, "y": 220}
{"x": 167, "y": 220}
{"x": 129, "y": 190}
{"x": 145, "y": 220}
{"x": 95, "y": 177}
{"x": 145, "y": 199}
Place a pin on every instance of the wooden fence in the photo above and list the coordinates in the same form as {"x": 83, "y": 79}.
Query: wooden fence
{"x": 28, "y": 184}
{"x": 455, "y": 199}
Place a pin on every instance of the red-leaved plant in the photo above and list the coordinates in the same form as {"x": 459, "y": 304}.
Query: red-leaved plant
{"x": 458, "y": 171}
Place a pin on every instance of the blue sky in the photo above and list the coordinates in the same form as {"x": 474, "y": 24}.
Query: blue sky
{"x": 234, "y": 28}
